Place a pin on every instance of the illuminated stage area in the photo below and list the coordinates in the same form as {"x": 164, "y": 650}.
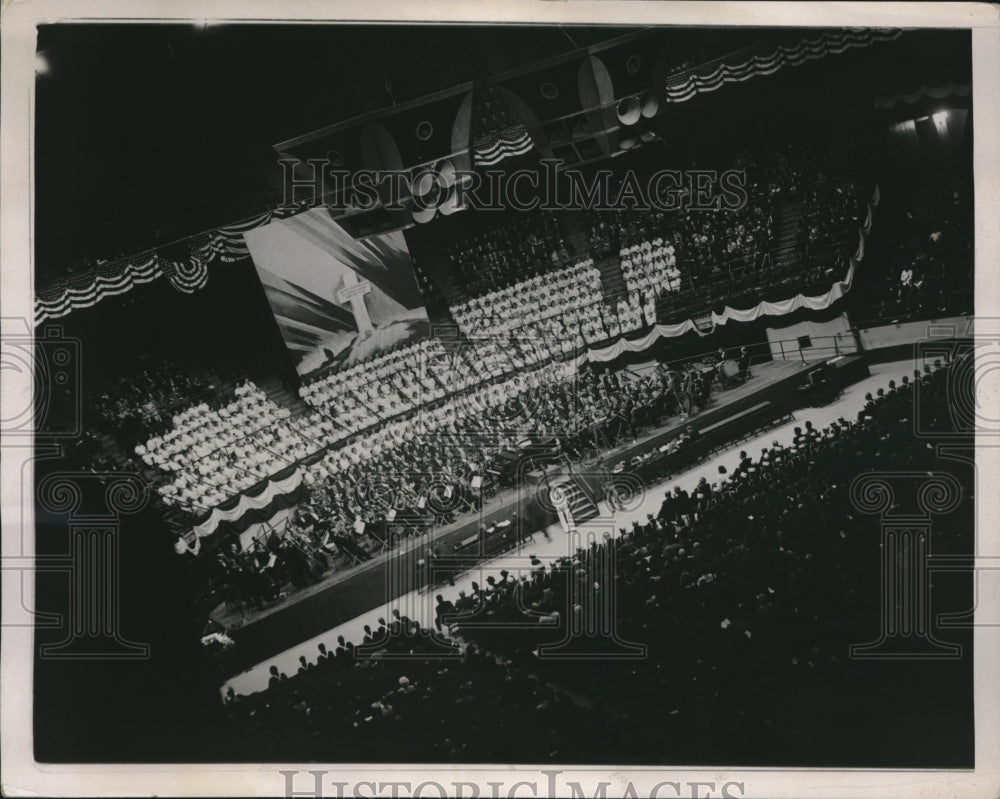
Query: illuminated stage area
{"x": 344, "y": 595}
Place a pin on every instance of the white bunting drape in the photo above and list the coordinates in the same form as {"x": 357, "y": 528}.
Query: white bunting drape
{"x": 767, "y": 58}
{"x": 246, "y": 503}
{"x": 187, "y": 275}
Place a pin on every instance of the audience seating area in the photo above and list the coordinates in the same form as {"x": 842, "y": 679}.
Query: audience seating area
{"x": 152, "y": 390}
{"x": 791, "y": 169}
{"x": 699, "y": 260}
{"x": 426, "y": 708}
{"x": 832, "y": 213}
{"x": 925, "y": 266}
{"x": 524, "y": 246}
{"x": 715, "y": 241}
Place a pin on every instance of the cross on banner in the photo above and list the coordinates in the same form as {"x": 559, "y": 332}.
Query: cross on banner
{"x": 353, "y": 291}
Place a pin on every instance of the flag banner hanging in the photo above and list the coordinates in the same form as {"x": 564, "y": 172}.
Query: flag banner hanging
{"x": 233, "y": 511}
{"x": 121, "y": 275}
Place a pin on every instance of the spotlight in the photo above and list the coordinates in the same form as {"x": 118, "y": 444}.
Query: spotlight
{"x": 41, "y": 64}
{"x": 940, "y": 117}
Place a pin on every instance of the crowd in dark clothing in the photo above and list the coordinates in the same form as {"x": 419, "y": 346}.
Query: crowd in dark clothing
{"x": 926, "y": 263}
{"x": 251, "y": 577}
{"x": 148, "y": 393}
{"x": 442, "y": 703}
{"x": 718, "y": 241}
{"x": 705, "y": 239}
{"x": 526, "y": 246}
{"x": 832, "y": 213}
{"x": 742, "y": 597}
{"x": 734, "y": 257}
{"x": 787, "y": 172}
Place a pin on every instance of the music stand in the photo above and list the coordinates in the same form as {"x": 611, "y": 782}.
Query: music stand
{"x": 599, "y": 436}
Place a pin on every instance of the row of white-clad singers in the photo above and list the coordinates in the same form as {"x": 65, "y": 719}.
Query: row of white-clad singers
{"x": 571, "y": 309}
{"x": 651, "y": 265}
{"x": 530, "y": 301}
{"x": 384, "y": 386}
{"x": 399, "y": 382}
{"x": 580, "y": 327}
{"x": 214, "y": 454}
{"x": 210, "y": 455}
{"x": 240, "y": 465}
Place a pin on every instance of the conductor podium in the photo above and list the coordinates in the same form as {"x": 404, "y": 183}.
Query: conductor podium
{"x": 532, "y": 452}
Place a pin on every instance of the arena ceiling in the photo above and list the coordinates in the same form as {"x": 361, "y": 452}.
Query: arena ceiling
{"x": 149, "y": 133}
{"x": 165, "y": 130}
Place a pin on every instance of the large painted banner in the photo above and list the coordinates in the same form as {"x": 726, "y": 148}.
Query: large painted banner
{"x": 337, "y": 300}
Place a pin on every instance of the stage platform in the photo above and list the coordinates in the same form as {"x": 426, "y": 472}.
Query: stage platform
{"x": 771, "y": 393}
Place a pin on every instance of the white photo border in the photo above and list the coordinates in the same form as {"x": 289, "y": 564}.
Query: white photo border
{"x": 22, "y": 776}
